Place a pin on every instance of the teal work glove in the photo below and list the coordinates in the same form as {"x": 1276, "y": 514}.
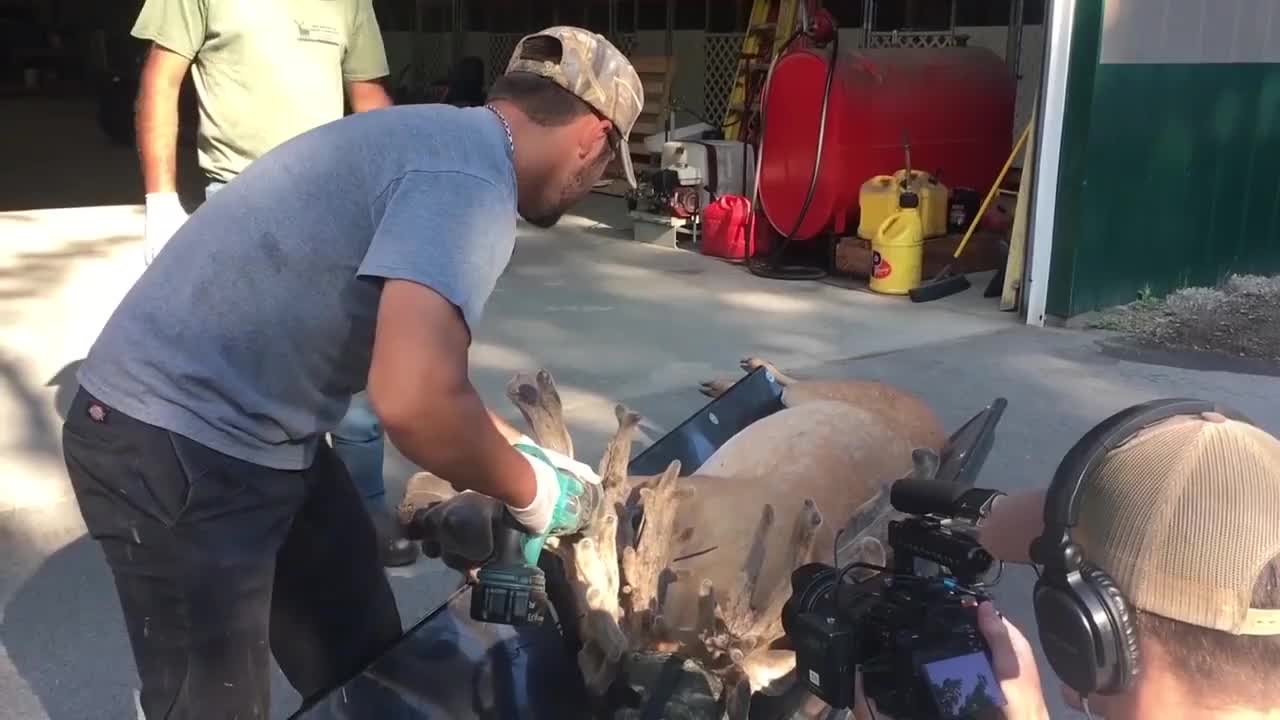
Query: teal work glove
{"x": 565, "y": 500}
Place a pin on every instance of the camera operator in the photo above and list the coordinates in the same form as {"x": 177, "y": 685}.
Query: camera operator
{"x": 1180, "y": 522}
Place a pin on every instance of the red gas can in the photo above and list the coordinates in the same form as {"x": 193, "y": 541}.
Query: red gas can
{"x": 955, "y": 106}
{"x": 724, "y": 228}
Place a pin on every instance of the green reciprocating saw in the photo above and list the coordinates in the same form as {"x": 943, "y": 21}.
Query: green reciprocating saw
{"x": 511, "y": 589}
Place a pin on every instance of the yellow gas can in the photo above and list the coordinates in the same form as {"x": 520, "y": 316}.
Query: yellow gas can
{"x": 933, "y": 200}
{"x": 878, "y": 199}
{"x": 897, "y": 250}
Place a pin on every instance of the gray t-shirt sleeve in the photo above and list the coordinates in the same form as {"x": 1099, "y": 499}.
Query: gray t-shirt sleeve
{"x": 450, "y": 231}
{"x": 178, "y": 25}
{"x": 366, "y": 57}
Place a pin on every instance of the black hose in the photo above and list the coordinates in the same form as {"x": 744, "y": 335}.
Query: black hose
{"x": 771, "y": 269}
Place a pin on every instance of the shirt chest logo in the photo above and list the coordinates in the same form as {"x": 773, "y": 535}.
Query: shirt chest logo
{"x": 318, "y": 33}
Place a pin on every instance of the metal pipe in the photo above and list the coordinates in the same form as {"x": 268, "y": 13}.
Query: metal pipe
{"x": 868, "y": 19}
{"x": 419, "y": 51}
{"x": 669, "y": 39}
{"x": 459, "y": 35}
{"x": 1013, "y": 41}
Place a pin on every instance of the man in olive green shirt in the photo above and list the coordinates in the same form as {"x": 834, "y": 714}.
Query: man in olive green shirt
{"x": 264, "y": 71}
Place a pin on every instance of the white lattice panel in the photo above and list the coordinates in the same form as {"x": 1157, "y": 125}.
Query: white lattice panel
{"x": 917, "y": 39}
{"x": 501, "y": 45}
{"x": 722, "y": 53}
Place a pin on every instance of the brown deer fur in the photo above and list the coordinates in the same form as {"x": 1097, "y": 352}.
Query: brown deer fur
{"x": 708, "y": 573}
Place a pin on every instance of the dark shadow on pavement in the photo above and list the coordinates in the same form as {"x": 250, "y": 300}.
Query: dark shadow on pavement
{"x": 65, "y": 382}
{"x": 64, "y": 632}
{"x": 36, "y": 273}
{"x": 38, "y": 436}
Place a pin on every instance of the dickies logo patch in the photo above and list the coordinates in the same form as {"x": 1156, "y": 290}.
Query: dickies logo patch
{"x": 97, "y": 412}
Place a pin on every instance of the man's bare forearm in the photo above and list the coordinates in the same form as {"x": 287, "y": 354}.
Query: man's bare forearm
{"x": 1015, "y": 520}
{"x": 365, "y": 95}
{"x": 459, "y": 441}
{"x": 505, "y": 429}
{"x": 156, "y": 119}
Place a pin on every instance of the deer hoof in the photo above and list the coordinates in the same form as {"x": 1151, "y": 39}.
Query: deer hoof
{"x": 715, "y": 388}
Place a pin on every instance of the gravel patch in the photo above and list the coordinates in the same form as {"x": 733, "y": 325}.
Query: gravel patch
{"x": 1241, "y": 318}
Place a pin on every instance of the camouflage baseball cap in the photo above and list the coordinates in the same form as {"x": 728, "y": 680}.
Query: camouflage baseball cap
{"x": 589, "y": 66}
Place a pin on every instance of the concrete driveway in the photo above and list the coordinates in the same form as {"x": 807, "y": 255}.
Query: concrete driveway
{"x": 613, "y": 320}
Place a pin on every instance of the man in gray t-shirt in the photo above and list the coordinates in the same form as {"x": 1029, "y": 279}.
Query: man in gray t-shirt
{"x": 359, "y": 254}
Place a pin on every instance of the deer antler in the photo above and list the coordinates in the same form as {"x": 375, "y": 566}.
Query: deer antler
{"x": 594, "y": 558}
{"x": 734, "y": 629}
{"x": 539, "y": 402}
{"x": 645, "y": 565}
{"x": 596, "y": 553}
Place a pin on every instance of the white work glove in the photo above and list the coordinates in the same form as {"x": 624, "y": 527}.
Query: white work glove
{"x": 557, "y": 506}
{"x": 582, "y": 470}
{"x": 164, "y": 216}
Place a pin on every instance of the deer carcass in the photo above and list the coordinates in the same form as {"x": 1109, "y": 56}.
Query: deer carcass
{"x": 698, "y": 568}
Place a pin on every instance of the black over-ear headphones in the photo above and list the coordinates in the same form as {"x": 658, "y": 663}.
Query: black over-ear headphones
{"x": 1086, "y": 628}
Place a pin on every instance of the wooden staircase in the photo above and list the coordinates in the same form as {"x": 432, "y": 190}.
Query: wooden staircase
{"x": 657, "y": 73}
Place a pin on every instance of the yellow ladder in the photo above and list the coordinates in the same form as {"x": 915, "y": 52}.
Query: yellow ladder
{"x": 771, "y": 25}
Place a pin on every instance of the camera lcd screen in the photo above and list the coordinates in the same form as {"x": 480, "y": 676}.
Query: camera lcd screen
{"x": 963, "y": 686}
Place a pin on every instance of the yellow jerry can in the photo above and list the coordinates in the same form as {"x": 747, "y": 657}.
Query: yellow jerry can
{"x": 878, "y": 199}
{"x": 897, "y": 250}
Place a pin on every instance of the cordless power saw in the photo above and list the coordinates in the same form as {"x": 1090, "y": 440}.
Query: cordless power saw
{"x": 510, "y": 588}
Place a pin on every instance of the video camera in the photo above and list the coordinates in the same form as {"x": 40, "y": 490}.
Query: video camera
{"x": 914, "y": 635}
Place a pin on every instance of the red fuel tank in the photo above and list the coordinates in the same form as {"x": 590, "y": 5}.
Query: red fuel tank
{"x": 955, "y": 105}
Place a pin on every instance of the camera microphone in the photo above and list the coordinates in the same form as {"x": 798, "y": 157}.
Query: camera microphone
{"x": 942, "y": 499}
{"x": 925, "y": 497}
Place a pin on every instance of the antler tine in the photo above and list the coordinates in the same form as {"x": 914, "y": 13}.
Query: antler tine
{"x": 804, "y": 536}
{"x": 602, "y": 649}
{"x": 539, "y": 402}
{"x": 643, "y": 564}
{"x": 737, "y": 628}
{"x": 596, "y": 553}
{"x": 738, "y": 614}
{"x": 737, "y": 695}
{"x": 613, "y": 466}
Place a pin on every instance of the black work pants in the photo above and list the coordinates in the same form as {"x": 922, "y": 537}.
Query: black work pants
{"x": 219, "y": 562}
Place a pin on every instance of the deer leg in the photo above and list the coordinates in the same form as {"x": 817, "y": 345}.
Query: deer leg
{"x": 715, "y": 388}
{"x": 539, "y": 402}
{"x": 749, "y": 364}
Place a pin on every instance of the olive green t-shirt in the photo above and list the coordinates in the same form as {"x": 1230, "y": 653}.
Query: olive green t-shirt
{"x": 265, "y": 70}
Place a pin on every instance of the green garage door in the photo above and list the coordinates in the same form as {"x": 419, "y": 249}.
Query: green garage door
{"x": 1170, "y": 165}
